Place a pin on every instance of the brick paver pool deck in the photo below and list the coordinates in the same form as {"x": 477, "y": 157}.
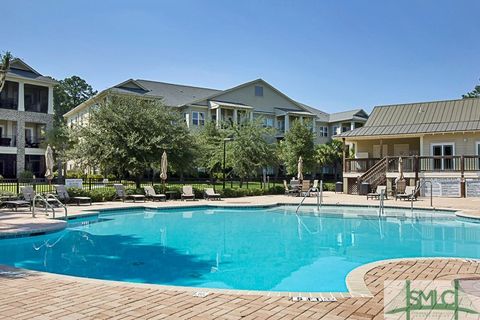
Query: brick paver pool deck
{"x": 41, "y": 296}
{"x": 35, "y": 295}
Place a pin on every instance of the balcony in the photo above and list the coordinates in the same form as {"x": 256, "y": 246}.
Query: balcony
{"x": 8, "y": 141}
{"x": 33, "y": 143}
{"x": 418, "y": 164}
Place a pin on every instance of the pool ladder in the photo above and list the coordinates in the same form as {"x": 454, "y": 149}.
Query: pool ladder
{"x": 319, "y": 192}
{"x": 47, "y": 204}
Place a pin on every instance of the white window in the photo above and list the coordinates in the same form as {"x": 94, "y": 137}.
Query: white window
{"x": 268, "y": 122}
{"x": 259, "y": 91}
{"x": 198, "y": 118}
{"x": 323, "y": 132}
{"x": 335, "y": 130}
{"x": 443, "y": 156}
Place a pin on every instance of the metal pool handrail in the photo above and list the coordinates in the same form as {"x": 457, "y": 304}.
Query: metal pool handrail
{"x": 319, "y": 196}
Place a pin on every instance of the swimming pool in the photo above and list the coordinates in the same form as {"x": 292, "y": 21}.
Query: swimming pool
{"x": 241, "y": 248}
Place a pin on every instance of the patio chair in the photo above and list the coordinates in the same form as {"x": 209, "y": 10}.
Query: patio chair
{"x": 64, "y": 197}
{"x": 210, "y": 194}
{"x": 187, "y": 193}
{"x": 315, "y": 187}
{"x": 377, "y": 193}
{"x": 289, "y": 191}
{"x": 121, "y": 194}
{"x": 151, "y": 194}
{"x": 305, "y": 188}
{"x": 409, "y": 194}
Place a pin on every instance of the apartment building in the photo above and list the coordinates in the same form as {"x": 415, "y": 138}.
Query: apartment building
{"x": 26, "y": 113}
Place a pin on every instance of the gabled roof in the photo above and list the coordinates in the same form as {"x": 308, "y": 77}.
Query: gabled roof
{"x": 259, "y": 80}
{"x": 19, "y": 69}
{"x": 356, "y": 114}
{"x": 321, "y": 116}
{"x": 417, "y": 118}
{"x": 174, "y": 95}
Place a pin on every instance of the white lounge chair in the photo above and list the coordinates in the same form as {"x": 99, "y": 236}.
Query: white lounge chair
{"x": 210, "y": 194}
{"x": 151, "y": 194}
{"x": 187, "y": 193}
{"x": 63, "y": 195}
{"x": 377, "y": 193}
{"x": 121, "y": 194}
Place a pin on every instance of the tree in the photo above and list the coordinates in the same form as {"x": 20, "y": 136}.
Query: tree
{"x": 129, "y": 134}
{"x": 67, "y": 94}
{"x": 298, "y": 141}
{"x": 475, "y": 93}
{"x": 330, "y": 154}
{"x": 209, "y": 140}
{"x": 5, "y": 61}
{"x": 251, "y": 148}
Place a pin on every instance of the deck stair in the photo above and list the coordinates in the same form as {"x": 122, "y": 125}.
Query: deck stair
{"x": 376, "y": 175}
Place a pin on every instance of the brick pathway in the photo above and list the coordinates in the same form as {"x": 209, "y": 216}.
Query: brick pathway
{"x": 41, "y": 296}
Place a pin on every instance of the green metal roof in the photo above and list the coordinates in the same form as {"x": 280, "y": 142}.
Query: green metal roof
{"x": 417, "y": 118}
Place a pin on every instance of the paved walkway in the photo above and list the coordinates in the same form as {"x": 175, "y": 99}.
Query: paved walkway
{"x": 41, "y": 296}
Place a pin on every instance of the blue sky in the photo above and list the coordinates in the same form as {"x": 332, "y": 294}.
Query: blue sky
{"x": 333, "y": 55}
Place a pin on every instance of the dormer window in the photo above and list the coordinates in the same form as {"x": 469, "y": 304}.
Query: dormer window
{"x": 258, "y": 91}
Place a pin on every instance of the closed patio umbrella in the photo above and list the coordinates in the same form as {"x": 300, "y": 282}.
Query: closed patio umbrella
{"x": 49, "y": 163}
{"x": 300, "y": 168}
{"x": 163, "y": 167}
{"x": 400, "y": 181}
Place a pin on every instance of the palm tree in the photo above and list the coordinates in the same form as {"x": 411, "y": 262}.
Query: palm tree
{"x": 330, "y": 154}
{"x": 5, "y": 59}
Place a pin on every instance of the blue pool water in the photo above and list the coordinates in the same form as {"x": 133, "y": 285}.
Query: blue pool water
{"x": 249, "y": 248}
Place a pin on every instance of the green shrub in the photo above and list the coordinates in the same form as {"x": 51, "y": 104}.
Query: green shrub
{"x": 78, "y": 192}
{"x": 199, "y": 192}
{"x": 229, "y": 193}
{"x": 255, "y": 192}
{"x": 328, "y": 186}
{"x": 130, "y": 191}
{"x": 276, "y": 190}
{"x": 75, "y": 174}
{"x": 97, "y": 195}
{"x": 94, "y": 176}
{"x": 25, "y": 176}
{"x": 101, "y": 195}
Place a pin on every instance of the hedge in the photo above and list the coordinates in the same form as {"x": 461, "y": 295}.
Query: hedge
{"x": 101, "y": 195}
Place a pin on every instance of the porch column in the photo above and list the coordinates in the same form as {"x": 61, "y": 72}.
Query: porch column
{"x": 251, "y": 116}
{"x": 301, "y": 120}
{"x": 352, "y": 125}
{"x": 50, "y": 100}
{"x": 219, "y": 116}
{"x": 421, "y": 147}
{"x": 381, "y": 149}
{"x": 20, "y": 145}
{"x": 21, "y": 96}
{"x": 235, "y": 116}
{"x": 344, "y": 153}
{"x": 287, "y": 123}
{"x": 314, "y": 126}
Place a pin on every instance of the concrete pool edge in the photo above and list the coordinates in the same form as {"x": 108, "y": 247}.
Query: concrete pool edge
{"x": 355, "y": 281}
{"x": 31, "y": 229}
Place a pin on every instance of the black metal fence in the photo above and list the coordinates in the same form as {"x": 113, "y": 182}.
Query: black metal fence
{"x": 44, "y": 186}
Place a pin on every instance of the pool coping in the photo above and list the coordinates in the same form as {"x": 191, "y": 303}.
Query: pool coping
{"x": 89, "y": 212}
{"x": 355, "y": 281}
